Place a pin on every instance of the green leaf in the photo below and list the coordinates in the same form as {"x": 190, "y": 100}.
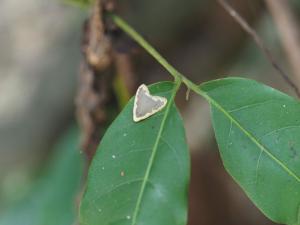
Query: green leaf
{"x": 140, "y": 172}
{"x": 80, "y": 3}
{"x": 53, "y": 199}
{"x": 258, "y": 132}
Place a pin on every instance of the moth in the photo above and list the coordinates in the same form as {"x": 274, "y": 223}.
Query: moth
{"x": 145, "y": 104}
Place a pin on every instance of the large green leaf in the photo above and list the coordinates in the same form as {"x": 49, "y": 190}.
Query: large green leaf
{"x": 140, "y": 172}
{"x": 53, "y": 199}
{"x": 258, "y": 132}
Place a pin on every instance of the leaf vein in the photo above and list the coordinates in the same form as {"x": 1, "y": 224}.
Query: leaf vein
{"x": 280, "y": 129}
{"x": 250, "y": 136}
{"x": 174, "y": 151}
{"x": 119, "y": 186}
{"x": 249, "y": 106}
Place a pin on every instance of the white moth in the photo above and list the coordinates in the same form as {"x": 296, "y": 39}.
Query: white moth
{"x": 145, "y": 104}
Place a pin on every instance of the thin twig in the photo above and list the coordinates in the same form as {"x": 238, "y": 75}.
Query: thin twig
{"x": 286, "y": 23}
{"x": 247, "y": 28}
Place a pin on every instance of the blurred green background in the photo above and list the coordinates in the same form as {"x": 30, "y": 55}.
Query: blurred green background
{"x": 39, "y": 67}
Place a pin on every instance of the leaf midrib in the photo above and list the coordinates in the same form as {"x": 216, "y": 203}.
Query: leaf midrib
{"x": 152, "y": 157}
{"x": 248, "y": 134}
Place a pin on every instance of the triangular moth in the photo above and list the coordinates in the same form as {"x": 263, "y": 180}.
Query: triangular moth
{"x": 145, "y": 104}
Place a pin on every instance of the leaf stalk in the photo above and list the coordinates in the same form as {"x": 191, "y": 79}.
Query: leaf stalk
{"x": 179, "y": 77}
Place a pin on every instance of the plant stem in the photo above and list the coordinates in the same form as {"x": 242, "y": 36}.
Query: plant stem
{"x": 155, "y": 54}
{"x": 142, "y": 42}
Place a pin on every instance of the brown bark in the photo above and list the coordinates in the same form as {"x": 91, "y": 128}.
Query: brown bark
{"x": 101, "y": 40}
{"x": 95, "y": 80}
